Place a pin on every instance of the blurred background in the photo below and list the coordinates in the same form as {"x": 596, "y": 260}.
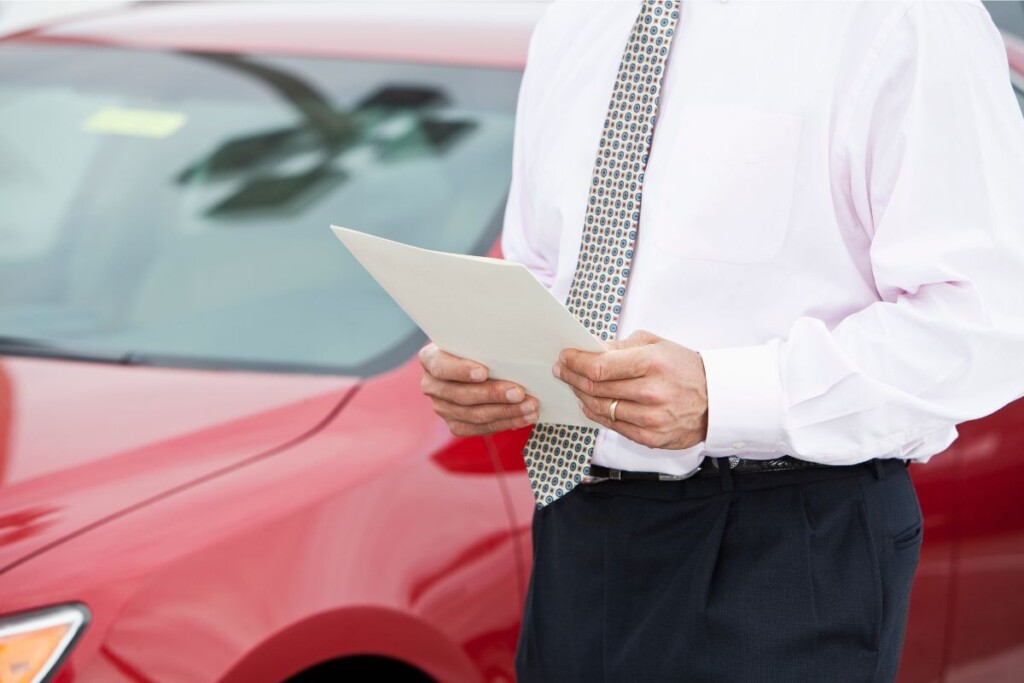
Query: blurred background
{"x": 1008, "y": 14}
{"x": 16, "y": 14}
{"x": 215, "y": 461}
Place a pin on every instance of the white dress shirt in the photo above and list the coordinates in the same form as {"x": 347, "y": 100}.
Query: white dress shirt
{"x": 833, "y": 216}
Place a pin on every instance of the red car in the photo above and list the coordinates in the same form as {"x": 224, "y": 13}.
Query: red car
{"x": 215, "y": 461}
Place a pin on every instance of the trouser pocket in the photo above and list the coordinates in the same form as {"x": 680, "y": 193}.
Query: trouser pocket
{"x": 896, "y": 525}
{"x": 843, "y": 560}
{"x": 910, "y": 537}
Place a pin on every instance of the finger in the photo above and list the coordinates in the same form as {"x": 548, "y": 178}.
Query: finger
{"x": 640, "y": 435}
{"x": 468, "y": 393}
{"x": 609, "y": 365}
{"x": 469, "y": 429}
{"x": 631, "y": 389}
{"x": 446, "y": 366}
{"x": 484, "y": 413}
{"x": 625, "y": 411}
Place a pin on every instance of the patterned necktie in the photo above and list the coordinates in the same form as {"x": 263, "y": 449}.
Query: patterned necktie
{"x": 558, "y": 456}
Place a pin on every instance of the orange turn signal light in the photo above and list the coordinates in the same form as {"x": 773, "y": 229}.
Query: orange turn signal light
{"x": 32, "y": 644}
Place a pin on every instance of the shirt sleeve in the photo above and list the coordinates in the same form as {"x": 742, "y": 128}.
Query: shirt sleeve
{"x": 520, "y": 240}
{"x": 928, "y": 160}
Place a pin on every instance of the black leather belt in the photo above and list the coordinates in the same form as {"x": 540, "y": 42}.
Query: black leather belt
{"x": 710, "y": 468}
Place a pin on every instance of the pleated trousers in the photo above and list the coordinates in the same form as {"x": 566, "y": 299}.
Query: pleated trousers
{"x": 790, "y": 576}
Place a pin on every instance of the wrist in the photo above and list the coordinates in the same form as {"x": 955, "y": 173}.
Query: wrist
{"x": 703, "y": 393}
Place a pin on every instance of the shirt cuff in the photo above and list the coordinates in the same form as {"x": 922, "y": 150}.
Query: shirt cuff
{"x": 745, "y": 407}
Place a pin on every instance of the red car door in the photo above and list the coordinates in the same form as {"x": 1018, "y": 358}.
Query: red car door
{"x": 986, "y": 637}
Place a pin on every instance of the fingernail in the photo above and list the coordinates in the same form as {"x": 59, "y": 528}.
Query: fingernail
{"x": 514, "y": 395}
{"x": 477, "y": 374}
{"x": 528, "y": 408}
{"x": 532, "y": 417}
{"x": 556, "y": 370}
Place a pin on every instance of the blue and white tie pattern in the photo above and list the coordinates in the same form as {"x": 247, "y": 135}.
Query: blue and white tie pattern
{"x": 558, "y": 456}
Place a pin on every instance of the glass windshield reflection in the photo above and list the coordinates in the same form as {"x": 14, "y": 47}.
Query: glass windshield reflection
{"x": 174, "y": 207}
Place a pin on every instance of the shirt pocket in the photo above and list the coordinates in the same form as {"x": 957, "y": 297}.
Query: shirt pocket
{"x": 726, "y": 179}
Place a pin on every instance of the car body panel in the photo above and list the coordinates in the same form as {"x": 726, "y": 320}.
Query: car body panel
{"x": 224, "y": 565}
{"x": 82, "y": 441}
{"x": 986, "y": 639}
{"x": 484, "y": 34}
{"x": 1015, "y": 53}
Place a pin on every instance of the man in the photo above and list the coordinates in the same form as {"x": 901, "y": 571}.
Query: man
{"x": 818, "y": 209}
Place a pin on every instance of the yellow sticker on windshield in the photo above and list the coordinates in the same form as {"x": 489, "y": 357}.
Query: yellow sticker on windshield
{"x": 145, "y": 123}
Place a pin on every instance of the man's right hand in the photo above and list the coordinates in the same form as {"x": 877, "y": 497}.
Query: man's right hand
{"x": 470, "y": 403}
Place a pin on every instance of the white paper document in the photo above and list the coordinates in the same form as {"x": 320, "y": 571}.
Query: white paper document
{"x": 488, "y": 310}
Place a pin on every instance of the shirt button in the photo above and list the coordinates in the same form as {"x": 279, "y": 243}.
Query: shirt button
{"x": 739, "y": 444}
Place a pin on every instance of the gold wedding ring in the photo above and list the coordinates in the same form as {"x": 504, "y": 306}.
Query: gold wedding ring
{"x": 611, "y": 410}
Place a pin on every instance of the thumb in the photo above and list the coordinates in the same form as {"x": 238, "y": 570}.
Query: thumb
{"x": 638, "y": 338}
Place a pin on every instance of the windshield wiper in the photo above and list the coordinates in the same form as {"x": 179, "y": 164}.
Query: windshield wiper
{"x": 27, "y": 346}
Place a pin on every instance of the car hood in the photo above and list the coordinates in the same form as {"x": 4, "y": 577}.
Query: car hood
{"x": 81, "y": 443}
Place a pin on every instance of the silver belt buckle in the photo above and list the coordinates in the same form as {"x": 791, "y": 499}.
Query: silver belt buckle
{"x": 734, "y": 460}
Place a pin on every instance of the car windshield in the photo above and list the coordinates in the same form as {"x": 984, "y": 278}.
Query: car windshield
{"x": 174, "y": 207}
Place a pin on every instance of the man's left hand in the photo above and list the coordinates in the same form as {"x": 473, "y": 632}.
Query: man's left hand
{"x": 660, "y": 387}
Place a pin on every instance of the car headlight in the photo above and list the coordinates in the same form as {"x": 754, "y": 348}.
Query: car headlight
{"x": 32, "y": 644}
